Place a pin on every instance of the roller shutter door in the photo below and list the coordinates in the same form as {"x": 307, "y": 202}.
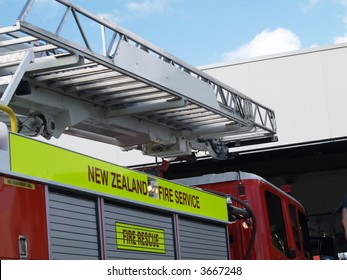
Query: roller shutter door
{"x": 201, "y": 240}
{"x": 73, "y": 229}
{"x": 137, "y": 217}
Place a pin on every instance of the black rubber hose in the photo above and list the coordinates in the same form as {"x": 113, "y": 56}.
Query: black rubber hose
{"x": 254, "y": 225}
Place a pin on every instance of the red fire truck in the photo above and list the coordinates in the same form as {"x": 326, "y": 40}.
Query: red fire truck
{"x": 55, "y": 203}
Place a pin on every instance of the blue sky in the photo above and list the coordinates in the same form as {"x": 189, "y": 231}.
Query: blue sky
{"x": 203, "y": 32}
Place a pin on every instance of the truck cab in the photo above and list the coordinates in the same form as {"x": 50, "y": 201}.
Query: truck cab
{"x": 276, "y": 227}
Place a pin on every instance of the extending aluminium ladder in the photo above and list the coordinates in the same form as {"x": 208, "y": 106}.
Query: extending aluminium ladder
{"x": 128, "y": 92}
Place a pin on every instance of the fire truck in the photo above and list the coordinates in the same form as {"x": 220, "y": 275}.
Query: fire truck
{"x": 60, "y": 204}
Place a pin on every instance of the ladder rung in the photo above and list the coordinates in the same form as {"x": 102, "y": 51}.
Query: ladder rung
{"x": 44, "y": 48}
{"x": 10, "y": 59}
{"x": 5, "y": 80}
{"x": 17, "y": 41}
{"x": 9, "y": 29}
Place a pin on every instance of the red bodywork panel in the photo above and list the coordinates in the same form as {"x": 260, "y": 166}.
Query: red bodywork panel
{"x": 22, "y": 213}
{"x": 253, "y": 191}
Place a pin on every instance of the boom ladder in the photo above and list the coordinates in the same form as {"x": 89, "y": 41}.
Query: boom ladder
{"x": 124, "y": 91}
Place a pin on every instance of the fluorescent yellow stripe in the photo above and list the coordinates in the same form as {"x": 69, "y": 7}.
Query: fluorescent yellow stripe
{"x": 47, "y": 162}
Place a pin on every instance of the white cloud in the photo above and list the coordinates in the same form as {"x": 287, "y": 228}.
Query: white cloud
{"x": 265, "y": 43}
{"x": 314, "y": 45}
{"x": 136, "y": 9}
{"x": 112, "y": 17}
{"x": 345, "y": 20}
{"x": 46, "y": 2}
{"x": 147, "y": 7}
{"x": 309, "y": 5}
{"x": 341, "y": 39}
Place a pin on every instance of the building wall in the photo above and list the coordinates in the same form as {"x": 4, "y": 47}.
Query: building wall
{"x": 306, "y": 89}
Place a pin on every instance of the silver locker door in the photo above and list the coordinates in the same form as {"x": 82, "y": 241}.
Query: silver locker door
{"x": 73, "y": 228}
{"x": 114, "y": 213}
{"x": 202, "y": 240}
